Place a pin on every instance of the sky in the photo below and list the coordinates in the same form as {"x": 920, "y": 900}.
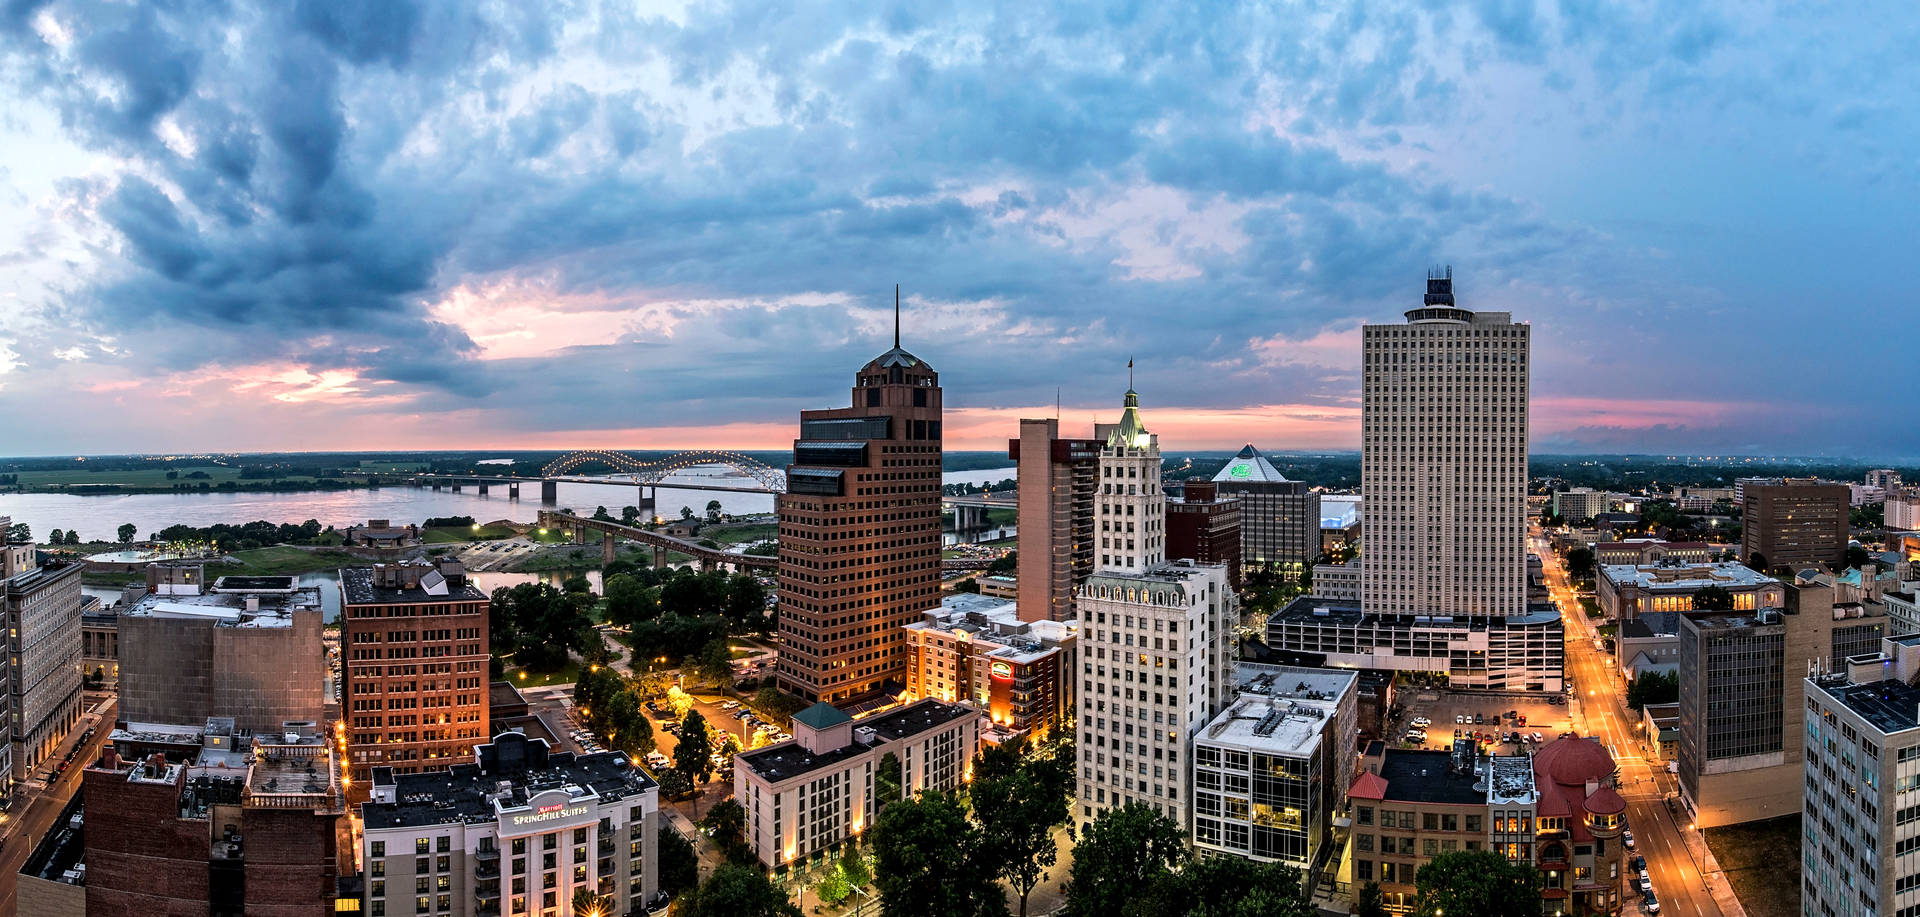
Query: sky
{"x": 337, "y": 225}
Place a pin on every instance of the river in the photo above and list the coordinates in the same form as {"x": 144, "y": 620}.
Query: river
{"x": 98, "y": 517}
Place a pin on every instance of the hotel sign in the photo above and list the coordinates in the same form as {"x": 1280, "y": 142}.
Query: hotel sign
{"x": 548, "y": 811}
{"x": 1001, "y": 669}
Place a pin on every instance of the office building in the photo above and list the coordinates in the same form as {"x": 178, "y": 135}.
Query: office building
{"x": 806, "y": 795}
{"x": 1580, "y": 503}
{"x": 1270, "y": 770}
{"x": 249, "y": 647}
{"x": 1740, "y": 486}
{"x": 414, "y": 642}
{"x": 518, "y": 829}
{"x": 1340, "y": 521}
{"x": 1700, "y": 499}
{"x": 1444, "y": 469}
{"x": 1648, "y": 643}
{"x": 1340, "y": 582}
{"x": 1644, "y": 552}
{"x": 1156, "y": 640}
{"x": 41, "y": 672}
{"x": 1886, "y": 479}
{"x": 1058, "y": 479}
{"x": 1862, "y": 764}
{"x": 1279, "y": 518}
{"x": 1556, "y": 810}
{"x": 1795, "y": 523}
{"x": 213, "y": 821}
{"x": 1742, "y": 714}
{"x": 860, "y": 532}
{"x": 977, "y": 649}
{"x": 1205, "y": 528}
{"x": 1626, "y": 592}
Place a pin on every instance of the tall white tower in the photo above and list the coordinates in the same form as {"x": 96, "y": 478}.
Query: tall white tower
{"x": 1130, "y": 510}
{"x": 1444, "y": 461}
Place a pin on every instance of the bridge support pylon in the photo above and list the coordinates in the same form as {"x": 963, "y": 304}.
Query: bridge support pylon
{"x": 549, "y": 492}
{"x": 483, "y": 488}
{"x": 436, "y": 485}
{"x": 647, "y": 506}
{"x": 609, "y": 548}
{"x": 659, "y": 557}
{"x": 456, "y": 487}
{"x": 513, "y": 491}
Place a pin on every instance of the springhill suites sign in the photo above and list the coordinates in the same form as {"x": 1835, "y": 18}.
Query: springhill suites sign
{"x": 545, "y": 812}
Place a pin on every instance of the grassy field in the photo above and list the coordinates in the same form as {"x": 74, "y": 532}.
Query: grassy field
{"x": 522, "y": 678}
{"x": 283, "y": 561}
{"x": 1762, "y": 863}
{"x": 737, "y": 534}
{"x": 144, "y": 477}
{"x": 462, "y": 535}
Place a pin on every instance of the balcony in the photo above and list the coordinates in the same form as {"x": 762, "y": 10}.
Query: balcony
{"x": 488, "y": 854}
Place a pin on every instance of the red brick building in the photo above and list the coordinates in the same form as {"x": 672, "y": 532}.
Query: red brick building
{"x": 1204, "y": 527}
{"x": 415, "y": 680}
{"x": 860, "y": 533}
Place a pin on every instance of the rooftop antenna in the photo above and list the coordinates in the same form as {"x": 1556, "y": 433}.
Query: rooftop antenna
{"x": 1056, "y": 403}
{"x": 896, "y": 316}
{"x": 1129, "y": 373}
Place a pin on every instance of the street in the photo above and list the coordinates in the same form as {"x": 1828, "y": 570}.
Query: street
{"x": 1600, "y": 710}
{"x": 35, "y": 806}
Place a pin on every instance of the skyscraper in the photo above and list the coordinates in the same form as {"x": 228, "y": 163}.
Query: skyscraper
{"x": 414, "y": 637}
{"x": 1155, "y": 643}
{"x": 41, "y": 604}
{"x": 1443, "y": 425}
{"x": 1059, "y": 479}
{"x": 860, "y": 531}
{"x": 1796, "y": 523}
{"x": 1279, "y": 519}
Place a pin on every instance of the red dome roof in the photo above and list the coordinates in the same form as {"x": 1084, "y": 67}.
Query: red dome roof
{"x": 1572, "y": 762}
{"x": 1605, "y": 801}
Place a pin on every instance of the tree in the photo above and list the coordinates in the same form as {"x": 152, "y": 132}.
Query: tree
{"x": 713, "y": 510}
{"x": 576, "y": 584}
{"x": 729, "y": 823}
{"x": 1757, "y": 562}
{"x": 1223, "y": 887}
{"x": 1857, "y": 557}
{"x": 1017, "y": 802}
{"x": 600, "y": 514}
{"x": 713, "y": 663}
{"x": 679, "y": 865}
{"x": 679, "y": 701}
{"x": 1479, "y": 882}
{"x": 833, "y": 888}
{"x": 1653, "y": 688}
{"x": 588, "y": 904}
{"x": 1005, "y": 563}
{"x": 629, "y": 601}
{"x": 928, "y": 862}
{"x": 736, "y": 891}
{"x": 1372, "y": 902}
{"x": 691, "y": 755}
{"x": 629, "y": 515}
{"x": 1119, "y": 853}
{"x": 746, "y": 601}
{"x": 1580, "y": 563}
{"x": 57, "y": 537}
{"x": 73, "y": 536}
{"x": 855, "y": 867}
{"x": 1713, "y": 598}
{"x": 967, "y": 585}
{"x": 127, "y": 530}
{"x": 627, "y": 729}
{"x": 19, "y": 532}
{"x": 674, "y": 783}
{"x": 686, "y": 512}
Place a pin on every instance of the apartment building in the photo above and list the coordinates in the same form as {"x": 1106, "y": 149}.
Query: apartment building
{"x": 518, "y": 830}
{"x": 41, "y": 602}
{"x": 1580, "y": 503}
{"x": 806, "y": 795}
{"x": 1058, "y": 480}
{"x": 1860, "y": 850}
{"x": 415, "y": 646}
{"x": 977, "y": 649}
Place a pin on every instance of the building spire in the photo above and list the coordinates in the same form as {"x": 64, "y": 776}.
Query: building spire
{"x": 896, "y": 315}
{"x": 1129, "y": 374}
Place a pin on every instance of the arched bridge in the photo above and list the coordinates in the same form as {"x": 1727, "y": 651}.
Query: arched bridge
{"x": 771, "y": 479}
{"x": 611, "y": 532}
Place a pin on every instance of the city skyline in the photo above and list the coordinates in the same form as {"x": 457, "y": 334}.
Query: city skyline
{"x": 334, "y": 227}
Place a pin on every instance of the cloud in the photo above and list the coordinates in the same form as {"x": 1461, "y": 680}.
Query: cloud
{"x": 553, "y": 220}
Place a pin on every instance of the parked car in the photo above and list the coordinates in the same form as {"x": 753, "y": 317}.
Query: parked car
{"x": 1460, "y": 718}
{"x": 1626, "y": 837}
{"x": 1422, "y": 721}
{"x": 1479, "y": 720}
{"x": 1639, "y": 862}
{"x": 1651, "y": 903}
{"x": 1644, "y": 877}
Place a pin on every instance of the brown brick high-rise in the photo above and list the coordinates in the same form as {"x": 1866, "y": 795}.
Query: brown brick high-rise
{"x": 860, "y": 532}
{"x": 1796, "y": 523}
{"x": 415, "y": 692}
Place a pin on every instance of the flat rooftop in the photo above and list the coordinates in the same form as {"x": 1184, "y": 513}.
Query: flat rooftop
{"x": 1685, "y": 577}
{"x": 465, "y": 794}
{"x": 789, "y": 759}
{"x": 357, "y": 585}
{"x": 1415, "y": 775}
{"x": 230, "y": 609}
{"x": 62, "y": 848}
{"x": 1510, "y": 780}
{"x": 1314, "y": 609}
{"x": 1282, "y": 710}
{"x": 1890, "y": 705}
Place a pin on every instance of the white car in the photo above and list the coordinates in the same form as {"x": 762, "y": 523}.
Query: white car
{"x": 1626, "y": 837}
{"x": 1646, "y": 879}
{"x": 1460, "y": 718}
{"x": 1422, "y": 721}
{"x": 1652, "y": 904}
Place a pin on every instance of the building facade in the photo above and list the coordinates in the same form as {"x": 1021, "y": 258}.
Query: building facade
{"x": 1520, "y": 653}
{"x": 1058, "y": 480}
{"x": 1795, "y": 523}
{"x": 1627, "y": 592}
{"x": 1903, "y": 509}
{"x": 218, "y": 823}
{"x": 860, "y": 532}
{"x": 806, "y": 795}
{"x": 1269, "y": 770}
{"x": 1862, "y": 766}
{"x": 1205, "y": 528}
{"x": 42, "y": 606}
{"x": 1646, "y": 552}
{"x": 1279, "y": 518}
{"x": 1580, "y": 503}
{"x": 517, "y": 831}
{"x": 1742, "y": 714}
{"x": 415, "y": 651}
{"x": 977, "y": 649}
{"x": 1337, "y": 581}
{"x": 249, "y": 648}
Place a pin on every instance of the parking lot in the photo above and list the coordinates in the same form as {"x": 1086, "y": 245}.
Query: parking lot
{"x": 1452, "y": 714}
